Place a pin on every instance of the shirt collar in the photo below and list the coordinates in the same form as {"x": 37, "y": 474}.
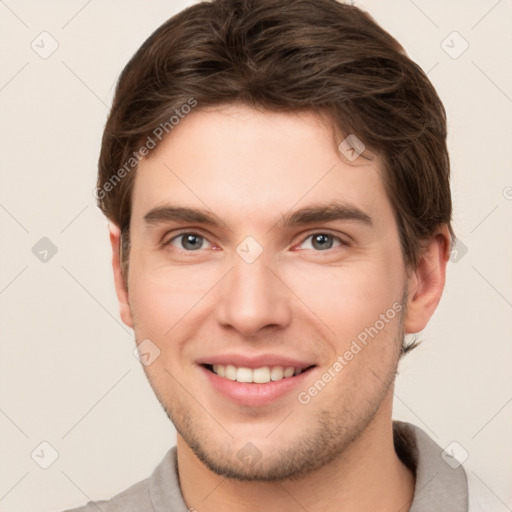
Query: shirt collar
{"x": 440, "y": 487}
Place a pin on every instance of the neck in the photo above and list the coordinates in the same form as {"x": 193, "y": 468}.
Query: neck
{"x": 367, "y": 476}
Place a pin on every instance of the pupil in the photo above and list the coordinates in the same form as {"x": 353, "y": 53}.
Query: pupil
{"x": 191, "y": 242}
{"x": 322, "y": 240}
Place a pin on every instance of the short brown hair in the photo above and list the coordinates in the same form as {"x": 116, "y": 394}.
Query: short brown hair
{"x": 286, "y": 55}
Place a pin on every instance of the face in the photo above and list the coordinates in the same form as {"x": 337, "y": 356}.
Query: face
{"x": 267, "y": 271}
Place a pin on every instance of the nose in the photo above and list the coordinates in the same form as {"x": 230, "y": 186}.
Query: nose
{"x": 252, "y": 298}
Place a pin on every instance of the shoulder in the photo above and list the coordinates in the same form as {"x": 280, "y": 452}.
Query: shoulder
{"x": 441, "y": 481}
{"x": 161, "y": 491}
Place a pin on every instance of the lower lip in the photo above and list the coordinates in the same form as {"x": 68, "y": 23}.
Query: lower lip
{"x": 252, "y": 394}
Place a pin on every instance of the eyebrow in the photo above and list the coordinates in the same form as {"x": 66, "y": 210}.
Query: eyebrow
{"x": 325, "y": 213}
{"x": 169, "y": 213}
{"x": 309, "y": 215}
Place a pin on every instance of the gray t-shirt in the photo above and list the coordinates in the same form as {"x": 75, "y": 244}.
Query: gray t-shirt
{"x": 440, "y": 486}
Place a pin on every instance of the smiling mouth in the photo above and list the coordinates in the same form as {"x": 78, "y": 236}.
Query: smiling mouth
{"x": 261, "y": 375}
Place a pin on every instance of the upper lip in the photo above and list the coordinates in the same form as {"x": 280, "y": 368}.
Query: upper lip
{"x": 244, "y": 361}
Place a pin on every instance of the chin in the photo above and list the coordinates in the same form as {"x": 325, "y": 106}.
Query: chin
{"x": 287, "y": 464}
{"x": 266, "y": 461}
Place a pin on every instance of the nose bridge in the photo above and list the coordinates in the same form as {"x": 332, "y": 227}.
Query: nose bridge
{"x": 252, "y": 297}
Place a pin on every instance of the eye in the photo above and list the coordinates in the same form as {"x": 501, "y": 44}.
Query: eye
{"x": 188, "y": 241}
{"x": 322, "y": 241}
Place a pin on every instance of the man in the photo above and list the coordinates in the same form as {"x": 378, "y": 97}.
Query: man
{"x": 277, "y": 181}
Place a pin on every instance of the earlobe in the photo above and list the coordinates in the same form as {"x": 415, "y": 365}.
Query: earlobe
{"x": 426, "y": 282}
{"x": 121, "y": 291}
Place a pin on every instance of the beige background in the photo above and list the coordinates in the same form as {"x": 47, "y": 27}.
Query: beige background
{"x": 67, "y": 373}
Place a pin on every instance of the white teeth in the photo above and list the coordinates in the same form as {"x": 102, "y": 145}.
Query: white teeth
{"x": 244, "y": 375}
{"x": 289, "y": 371}
{"x": 260, "y": 375}
{"x": 229, "y": 372}
{"x": 277, "y": 373}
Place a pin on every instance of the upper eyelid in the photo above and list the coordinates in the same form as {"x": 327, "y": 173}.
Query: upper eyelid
{"x": 183, "y": 231}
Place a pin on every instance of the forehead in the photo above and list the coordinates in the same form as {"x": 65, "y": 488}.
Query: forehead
{"x": 244, "y": 163}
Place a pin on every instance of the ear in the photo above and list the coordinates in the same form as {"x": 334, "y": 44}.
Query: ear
{"x": 121, "y": 291}
{"x": 426, "y": 282}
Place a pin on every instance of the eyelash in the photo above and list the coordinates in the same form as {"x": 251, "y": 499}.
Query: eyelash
{"x": 334, "y": 237}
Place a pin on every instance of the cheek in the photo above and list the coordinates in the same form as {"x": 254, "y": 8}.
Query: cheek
{"x": 349, "y": 298}
{"x": 162, "y": 295}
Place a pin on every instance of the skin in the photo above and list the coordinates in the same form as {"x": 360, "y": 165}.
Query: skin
{"x": 298, "y": 299}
